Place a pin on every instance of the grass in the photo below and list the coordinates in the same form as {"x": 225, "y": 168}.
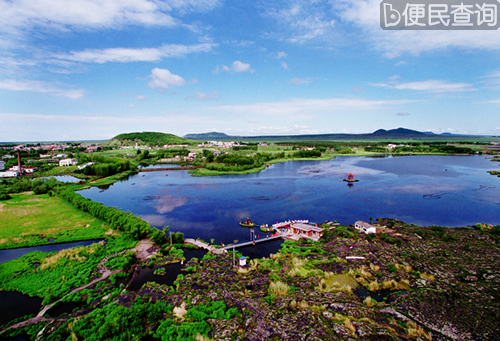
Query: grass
{"x": 278, "y": 288}
{"x": 29, "y": 220}
{"x": 334, "y": 282}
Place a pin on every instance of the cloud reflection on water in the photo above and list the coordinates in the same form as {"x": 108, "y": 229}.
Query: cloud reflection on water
{"x": 168, "y": 203}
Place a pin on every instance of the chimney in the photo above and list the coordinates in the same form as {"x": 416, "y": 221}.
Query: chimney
{"x": 19, "y": 163}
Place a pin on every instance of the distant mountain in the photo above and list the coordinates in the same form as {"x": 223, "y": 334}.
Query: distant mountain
{"x": 207, "y": 136}
{"x": 399, "y": 133}
{"x": 148, "y": 138}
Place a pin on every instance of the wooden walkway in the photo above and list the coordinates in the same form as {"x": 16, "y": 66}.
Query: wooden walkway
{"x": 260, "y": 240}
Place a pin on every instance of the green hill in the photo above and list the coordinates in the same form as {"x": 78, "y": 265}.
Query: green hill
{"x": 148, "y": 138}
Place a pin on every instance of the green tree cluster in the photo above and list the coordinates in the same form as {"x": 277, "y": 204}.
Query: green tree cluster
{"x": 119, "y": 220}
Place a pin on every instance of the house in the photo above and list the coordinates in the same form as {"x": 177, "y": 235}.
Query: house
{"x": 30, "y": 170}
{"x": 243, "y": 261}
{"x": 2, "y": 165}
{"x": 216, "y": 153}
{"x": 67, "y": 162}
{"x": 9, "y": 174}
{"x": 307, "y": 230}
{"x": 364, "y": 227}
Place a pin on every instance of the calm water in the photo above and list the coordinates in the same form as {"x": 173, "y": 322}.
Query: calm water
{"x": 444, "y": 190}
{"x": 63, "y": 178}
{"x": 10, "y": 254}
{"x": 15, "y": 305}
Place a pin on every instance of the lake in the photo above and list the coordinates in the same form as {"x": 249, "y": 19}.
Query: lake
{"x": 450, "y": 191}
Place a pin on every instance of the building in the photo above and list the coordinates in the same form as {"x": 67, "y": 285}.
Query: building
{"x": 2, "y": 165}
{"x": 243, "y": 261}
{"x": 307, "y": 231}
{"x": 9, "y": 174}
{"x": 67, "y": 162}
{"x": 364, "y": 227}
{"x": 30, "y": 170}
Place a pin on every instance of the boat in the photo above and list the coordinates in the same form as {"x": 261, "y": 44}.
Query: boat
{"x": 266, "y": 228}
{"x": 350, "y": 178}
{"x": 247, "y": 223}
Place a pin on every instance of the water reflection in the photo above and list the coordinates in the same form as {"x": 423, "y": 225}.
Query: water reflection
{"x": 415, "y": 189}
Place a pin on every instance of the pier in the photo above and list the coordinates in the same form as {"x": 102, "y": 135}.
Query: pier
{"x": 253, "y": 242}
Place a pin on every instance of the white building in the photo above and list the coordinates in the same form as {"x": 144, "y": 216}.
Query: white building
{"x": 2, "y": 165}
{"x": 365, "y": 227}
{"x": 9, "y": 174}
{"x": 67, "y": 162}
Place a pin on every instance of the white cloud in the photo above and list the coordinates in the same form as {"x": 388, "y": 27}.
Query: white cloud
{"x": 431, "y": 85}
{"x": 366, "y": 15}
{"x": 131, "y": 106}
{"x": 126, "y": 55}
{"x": 20, "y": 17}
{"x": 281, "y": 54}
{"x": 200, "y": 96}
{"x": 403, "y": 114}
{"x": 162, "y": 78}
{"x": 284, "y": 65}
{"x": 494, "y": 101}
{"x": 39, "y": 86}
{"x": 298, "y": 81}
{"x": 301, "y": 22}
{"x": 310, "y": 105}
{"x": 140, "y": 98}
{"x": 237, "y": 66}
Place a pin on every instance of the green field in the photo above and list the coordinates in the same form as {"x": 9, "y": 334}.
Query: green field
{"x": 29, "y": 220}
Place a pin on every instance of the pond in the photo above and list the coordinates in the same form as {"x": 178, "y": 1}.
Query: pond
{"x": 15, "y": 305}
{"x": 63, "y": 178}
{"x": 450, "y": 191}
{"x": 146, "y": 274}
{"x": 10, "y": 254}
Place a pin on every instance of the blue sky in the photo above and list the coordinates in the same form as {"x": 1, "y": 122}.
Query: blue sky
{"x": 91, "y": 69}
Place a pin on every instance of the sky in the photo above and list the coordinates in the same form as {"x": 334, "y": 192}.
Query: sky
{"x": 92, "y": 69}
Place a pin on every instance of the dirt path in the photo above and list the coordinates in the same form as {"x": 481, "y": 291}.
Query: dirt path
{"x": 145, "y": 249}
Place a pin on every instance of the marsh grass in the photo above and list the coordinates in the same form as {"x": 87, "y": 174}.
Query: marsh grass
{"x": 427, "y": 276}
{"x": 374, "y": 268}
{"x": 75, "y": 254}
{"x": 336, "y": 282}
{"x": 369, "y": 302}
{"x": 374, "y": 286}
{"x": 278, "y": 288}
{"x": 348, "y": 324}
{"x": 390, "y": 284}
{"x": 417, "y": 331}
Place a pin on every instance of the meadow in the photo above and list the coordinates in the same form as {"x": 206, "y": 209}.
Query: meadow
{"x": 29, "y": 220}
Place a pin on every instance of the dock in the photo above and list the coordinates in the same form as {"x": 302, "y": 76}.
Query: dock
{"x": 250, "y": 242}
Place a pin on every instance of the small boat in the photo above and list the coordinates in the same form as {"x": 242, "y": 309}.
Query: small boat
{"x": 266, "y": 228}
{"x": 350, "y": 178}
{"x": 247, "y": 223}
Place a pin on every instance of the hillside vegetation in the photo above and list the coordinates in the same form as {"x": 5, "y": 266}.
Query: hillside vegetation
{"x": 148, "y": 138}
